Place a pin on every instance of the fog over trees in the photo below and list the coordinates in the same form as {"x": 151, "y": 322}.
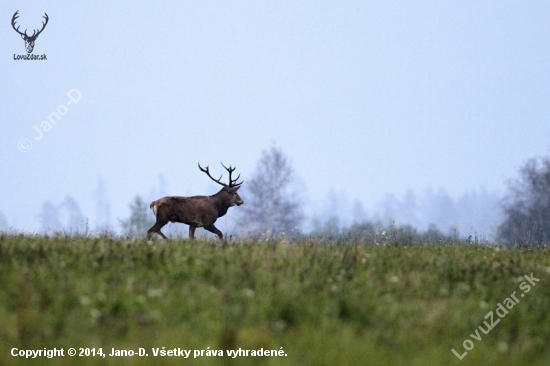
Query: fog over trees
{"x": 103, "y": 208}
{"x": 475, "y": 213}
{"x": 65, "y": 217}
{"x": 275, "y": 204}
{"x": 271, "y": 205}
{"x": 71, "y": 217}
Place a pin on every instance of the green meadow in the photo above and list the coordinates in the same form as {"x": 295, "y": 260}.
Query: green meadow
{"x": 309, "y": 302}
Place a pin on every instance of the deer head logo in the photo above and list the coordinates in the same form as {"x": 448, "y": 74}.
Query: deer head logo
{"x": 29, "y": 40}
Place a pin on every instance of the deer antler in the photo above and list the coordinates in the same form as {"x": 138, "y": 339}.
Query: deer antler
{"x": 232, "y": 182}
{"x": 208, "y": 172}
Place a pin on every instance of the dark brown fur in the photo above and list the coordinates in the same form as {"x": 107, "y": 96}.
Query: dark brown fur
{"x": 196, "y": 211}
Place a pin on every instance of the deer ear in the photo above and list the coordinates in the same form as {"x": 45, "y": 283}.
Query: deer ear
{"x": 235, "y": 189}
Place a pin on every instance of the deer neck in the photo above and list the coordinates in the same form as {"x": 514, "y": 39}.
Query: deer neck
{"x": 221, "y": 202}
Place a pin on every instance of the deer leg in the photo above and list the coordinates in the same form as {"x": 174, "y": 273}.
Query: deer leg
{"x": 214, "y": 230}
{"x": 192, "y": 231}
{"x": 161, "y": 234}
{"x": 156, "y": 229}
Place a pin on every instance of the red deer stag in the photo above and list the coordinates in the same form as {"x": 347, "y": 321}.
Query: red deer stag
{"x": 197, "y": 211}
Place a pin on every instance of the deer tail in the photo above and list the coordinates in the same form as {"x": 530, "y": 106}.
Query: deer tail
{"x": 154, "y": 206}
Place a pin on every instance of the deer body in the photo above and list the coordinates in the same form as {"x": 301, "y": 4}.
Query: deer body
{"x": 196, "y": 211}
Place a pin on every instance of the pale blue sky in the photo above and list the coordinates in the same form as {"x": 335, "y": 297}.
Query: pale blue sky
{"x": 365, "y": 97}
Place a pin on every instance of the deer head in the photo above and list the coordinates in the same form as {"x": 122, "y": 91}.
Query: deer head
{"x": 29, "y": 40}
{"x": 231, "y": 188}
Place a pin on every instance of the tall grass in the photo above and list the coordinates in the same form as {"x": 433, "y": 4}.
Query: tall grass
{"x": 325, "y": 304}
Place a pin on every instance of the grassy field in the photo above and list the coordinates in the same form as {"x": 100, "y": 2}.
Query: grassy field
{"x": 322, "y": 304}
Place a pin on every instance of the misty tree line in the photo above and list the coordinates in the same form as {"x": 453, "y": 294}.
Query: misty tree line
{"x": 275, "y": 208}
{"x": 526, "y": 205}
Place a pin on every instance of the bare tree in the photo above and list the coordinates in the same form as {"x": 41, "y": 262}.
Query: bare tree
{"x": 197, "y": 211}
{"x": 274, "y": 204}
{"x": 527, "y": 205}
